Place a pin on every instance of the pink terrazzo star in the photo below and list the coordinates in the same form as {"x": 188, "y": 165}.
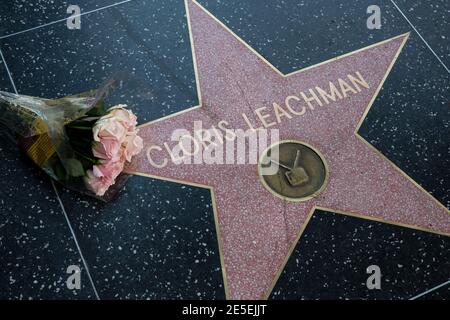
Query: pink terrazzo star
{"x": 257, "y": 229}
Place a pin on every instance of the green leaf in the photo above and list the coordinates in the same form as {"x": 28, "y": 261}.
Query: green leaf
{"x": 74, "y": 167}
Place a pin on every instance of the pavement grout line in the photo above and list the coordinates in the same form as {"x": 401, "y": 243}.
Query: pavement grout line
{"x": 58, "y": 197}
{"x": 418, "y": 33}
{"x": 7, "y": 70}
{"x": 75, "y": 240}
{"x": 430, "y": 290}
{"x": 126, "y": 1}
{"x": 64, "y": 19}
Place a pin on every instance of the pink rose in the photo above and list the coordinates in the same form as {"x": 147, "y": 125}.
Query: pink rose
{"x": 116, "y": 140}
{"x": 124, "y": 116}
{"x": 102, "y": 176}
{"x": 109, "y": 128}
{"x": 133, "y": 145}
{"x": 96, "y": 184}
{"x": 107, "y": 149}
{"x": 108, "y": 170}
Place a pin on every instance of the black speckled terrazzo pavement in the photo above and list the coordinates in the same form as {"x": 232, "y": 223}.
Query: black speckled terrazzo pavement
{"x": 322, "y": 268}
{"x": 150, "y": 243}
{"x": 36, "y": 245}
{"x": 158, "y": 239}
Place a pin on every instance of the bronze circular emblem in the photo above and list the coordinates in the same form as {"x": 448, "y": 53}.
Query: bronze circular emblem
{"x": 293, "y": 170}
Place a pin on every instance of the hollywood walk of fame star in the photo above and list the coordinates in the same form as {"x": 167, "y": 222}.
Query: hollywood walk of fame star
{"x": 257, "y": 230}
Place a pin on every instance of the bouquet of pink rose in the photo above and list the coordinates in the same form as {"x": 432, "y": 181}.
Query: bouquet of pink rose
{"x": 115, "y": 140}
{"x": 76, "y": 140}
